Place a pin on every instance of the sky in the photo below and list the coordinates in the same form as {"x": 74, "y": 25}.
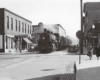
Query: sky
{"x": 64, "y": 12}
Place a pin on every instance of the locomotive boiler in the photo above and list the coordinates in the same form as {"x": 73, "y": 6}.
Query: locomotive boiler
{"x": 47, "y": 42}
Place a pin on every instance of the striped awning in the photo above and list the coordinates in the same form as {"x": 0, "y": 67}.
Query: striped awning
{"x": 27, "y": 40}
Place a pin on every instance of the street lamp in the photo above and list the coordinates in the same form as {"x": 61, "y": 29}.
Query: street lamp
{"x": 93, "y": 26}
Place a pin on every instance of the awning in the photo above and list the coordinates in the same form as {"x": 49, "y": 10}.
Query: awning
{"x": 21, "y": 36}
{"x": 27, "y": 40}
{"x": 10, "y": 35}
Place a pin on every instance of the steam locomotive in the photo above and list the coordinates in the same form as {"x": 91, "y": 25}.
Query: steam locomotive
{"x": 51, "y": 37}
{"x": 47, "y": 42}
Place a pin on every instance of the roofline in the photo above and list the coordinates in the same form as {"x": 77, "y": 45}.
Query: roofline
{"x": 92, "y": 2}
{"x": 16, "y": 14}
{"x": 94, "y": 11}
{"x": 53, "y": 24}
{"x": 61, "y": 27}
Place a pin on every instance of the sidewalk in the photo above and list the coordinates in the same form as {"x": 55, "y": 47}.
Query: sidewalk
{"x": 22, "y": 52}
{"x": 88, "y": 70}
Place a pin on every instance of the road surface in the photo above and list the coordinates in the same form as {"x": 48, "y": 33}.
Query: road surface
{"x": 36, "y": 66}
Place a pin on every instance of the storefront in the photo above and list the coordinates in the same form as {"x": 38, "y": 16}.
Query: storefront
{"x": 22, "y": 42}
{"x": 9, "y": 43}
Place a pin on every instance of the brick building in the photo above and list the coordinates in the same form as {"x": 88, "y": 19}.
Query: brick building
{"x": 14, "y": 31}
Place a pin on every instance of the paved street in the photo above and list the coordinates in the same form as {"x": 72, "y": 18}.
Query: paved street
{"x": 35, "y": 66}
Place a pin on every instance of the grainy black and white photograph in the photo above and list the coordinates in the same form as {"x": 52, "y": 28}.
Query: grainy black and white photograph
{"x": 49, "y": 39}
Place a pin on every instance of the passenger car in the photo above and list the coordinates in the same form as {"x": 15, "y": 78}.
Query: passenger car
{"x": 73, "y": 48}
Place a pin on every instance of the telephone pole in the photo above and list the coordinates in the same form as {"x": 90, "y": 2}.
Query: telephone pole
{"x": 81, "y": 40}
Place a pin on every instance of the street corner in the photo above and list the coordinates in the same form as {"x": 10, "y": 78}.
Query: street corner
{"x": 87, "y": 64}
{"x": 88, "y": 70}
{"x": 6, "y": 78}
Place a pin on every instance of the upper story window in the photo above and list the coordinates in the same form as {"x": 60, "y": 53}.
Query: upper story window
{"x": 28, "y": 28}
{"x": 16, "y": 24}
{"x": 22, "y": 27}
{"x": 25, "y": 28}
{"x": 8, "y": 22}
{"x": 12, "y": 23}
{"x": 19, "y": 25}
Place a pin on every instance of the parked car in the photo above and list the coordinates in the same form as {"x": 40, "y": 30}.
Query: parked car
{"x": 33, "y": 47}
{"x": 73, "y": 48}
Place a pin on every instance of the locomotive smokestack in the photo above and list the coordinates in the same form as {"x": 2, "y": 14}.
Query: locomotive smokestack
{"x": 45, "y": 30}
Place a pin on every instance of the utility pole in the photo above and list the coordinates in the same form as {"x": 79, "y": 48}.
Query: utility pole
{"x": 81, "y": 40}
{"x": 81, "y": 25}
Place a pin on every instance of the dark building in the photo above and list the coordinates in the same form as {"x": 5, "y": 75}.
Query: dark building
{"x": 92, "y": 17}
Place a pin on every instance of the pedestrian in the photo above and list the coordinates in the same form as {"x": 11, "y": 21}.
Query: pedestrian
{"x": 90, "y": 52}
{"x": 97, "y": 50}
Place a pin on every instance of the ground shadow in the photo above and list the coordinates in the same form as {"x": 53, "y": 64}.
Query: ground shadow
{"x": 67, "y": 76}
{"x": 91, "y": 73}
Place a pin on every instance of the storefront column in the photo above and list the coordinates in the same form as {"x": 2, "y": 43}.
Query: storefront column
{"x": 20, "y": 45}
{"x": 5, "y": 42}
{"x": 10, "y": 43}
{"x": 14, "y": 44}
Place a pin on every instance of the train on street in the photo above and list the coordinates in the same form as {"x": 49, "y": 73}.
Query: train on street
{"x": 51, "y": 37}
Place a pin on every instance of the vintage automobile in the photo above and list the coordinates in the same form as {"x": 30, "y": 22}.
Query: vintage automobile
{"x": 73, "y": 48}
{"x": 32, "y": 48}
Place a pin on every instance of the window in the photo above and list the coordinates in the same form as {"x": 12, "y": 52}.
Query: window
{"x": 16, "y": 24}
{"x": 11, "y": 23}
{"x": 22, "y": 27}
{"x": 19, "y": 25}
{"x": 8, "y": 22}
{"x": 25, "y": 28}
{"x": 28, "y": 28}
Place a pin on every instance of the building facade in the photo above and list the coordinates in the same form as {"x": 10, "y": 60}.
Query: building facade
{"x": 14, "y": 30}
{"x": 92, "y": 17}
